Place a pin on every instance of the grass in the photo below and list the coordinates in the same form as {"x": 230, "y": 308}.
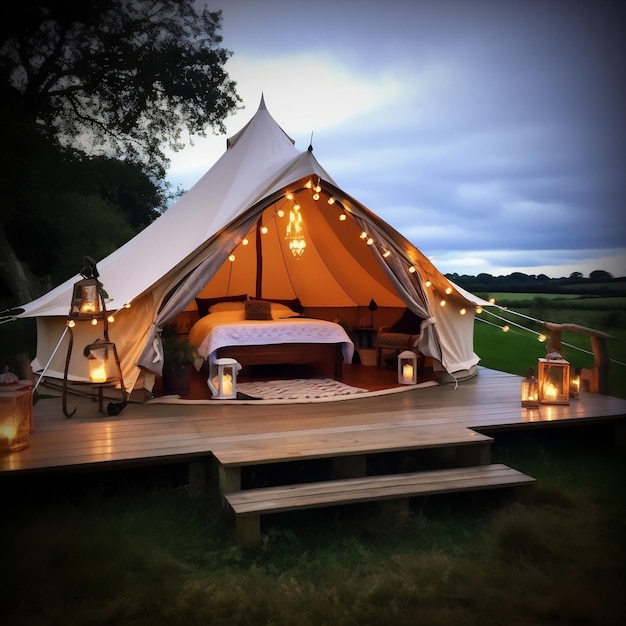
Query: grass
{"x": 134, "y": 549}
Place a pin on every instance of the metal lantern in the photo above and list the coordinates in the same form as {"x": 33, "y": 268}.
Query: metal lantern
{"x": 86, "y": 303}
{"x": 102, "y": 362}
{"x": 223, "y": 379}
{"x": 530, "y": 390}
{"x": 407, "y": 368}
{"x": 553, "y": 380}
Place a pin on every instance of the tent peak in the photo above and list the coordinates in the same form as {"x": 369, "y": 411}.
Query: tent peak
{"x": 262, "y": 103}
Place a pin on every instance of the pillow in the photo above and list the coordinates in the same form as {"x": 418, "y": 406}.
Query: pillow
{"x": 220, "y": 307}
{"x": 258, "y": 310}
{"x": 408, "y": 324}
{"x": 280, "y": 311}
{"x": 204, "y": 304}
{"x": 294, "y": 303}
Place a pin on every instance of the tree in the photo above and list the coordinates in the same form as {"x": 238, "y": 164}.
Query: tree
{"x": 600, "y": 276}
{"x": 119, "y": 78}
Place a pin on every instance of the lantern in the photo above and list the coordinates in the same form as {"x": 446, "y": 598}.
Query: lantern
{"x": 223, "y": 379}
{"x": 530, "y": 390}
{"x": 15, "y": 418}
{"x": 102, "y": 362}
{"x": 407, "y": 368}
{"x": 553, "y": 380}
{"x": 86, "y": 299}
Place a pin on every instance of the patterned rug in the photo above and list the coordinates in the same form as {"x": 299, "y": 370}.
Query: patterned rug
{"x": 296, "y": 389}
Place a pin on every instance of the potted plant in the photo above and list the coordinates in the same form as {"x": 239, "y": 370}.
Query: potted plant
{"x": 179, "y": 355}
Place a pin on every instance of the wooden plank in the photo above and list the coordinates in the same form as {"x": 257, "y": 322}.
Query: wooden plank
{"x": 292, "y": 445}
{"x": 373, "y": 488}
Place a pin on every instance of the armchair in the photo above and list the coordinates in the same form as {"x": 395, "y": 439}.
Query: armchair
{"x": 400, "y": 336}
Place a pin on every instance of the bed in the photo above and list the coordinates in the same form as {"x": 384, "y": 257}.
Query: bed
{"x": 263, "y": 333}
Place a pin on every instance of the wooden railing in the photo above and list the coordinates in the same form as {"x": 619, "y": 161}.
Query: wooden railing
{"x": 599, "y": 381}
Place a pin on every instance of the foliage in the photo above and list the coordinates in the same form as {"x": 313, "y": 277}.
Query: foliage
{"x": 177, "y": 349}
{"x": 117, "y": 76}
{"x": 133, "y": 548}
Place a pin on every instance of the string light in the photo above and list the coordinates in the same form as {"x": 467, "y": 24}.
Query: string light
{"x": 442, "y": 303}
{"x": 71, "y": 323}
{"x": 427, "y": 284}
{"x": 244, "y": 241}
{"x": 370, "y": 241}
{"x": 363, "y": 235}
{"x": 231, "y": 258}
{"x": 264, "y": 230}
{"x": 412, "y": 269}
{"x": 110, "y": 319}
{"x": 386, "y": 253}
{"x": 506, "y": 328}
{"x": 331, "y": 200}
{"x": 541, "y": 338}
{"x": 280, "y": 213}
{"x": 343, "y": 217}
{"x": 448, "y": 290}
{"x": 479, "y": 309}
{"x": 463, "y": 311}
{"x": 94, "y": 322}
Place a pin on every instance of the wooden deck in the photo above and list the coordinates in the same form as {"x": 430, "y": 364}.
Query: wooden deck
{"x": 155, "y": 434}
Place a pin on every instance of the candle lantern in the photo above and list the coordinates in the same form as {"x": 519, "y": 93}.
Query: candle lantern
{"x": 86, "y": 299}
{"x": 102, "y": 362}
{"x": 553, "y": 380}
{"x": 15, "y": 419}
{"x": 530, "y": 390}
{"x": 223, "y": 378}
{"x": 407, "y": 368}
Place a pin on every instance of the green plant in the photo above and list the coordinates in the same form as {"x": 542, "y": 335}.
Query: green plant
{"x": 177, "y": 349}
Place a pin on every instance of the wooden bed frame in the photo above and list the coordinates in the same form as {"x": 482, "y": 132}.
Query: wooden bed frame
{"x": 328, "y": 356}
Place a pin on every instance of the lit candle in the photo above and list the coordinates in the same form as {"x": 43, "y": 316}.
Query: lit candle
{"x": 227, "y": 385}
{"x": 98, "y": 371}
{"x": 550, "y": 392}
{"x": 407, "y": 373}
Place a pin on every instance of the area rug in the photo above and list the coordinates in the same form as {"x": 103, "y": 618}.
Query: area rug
{"x": 294, "y": 391}
{"x": 297, "y": 389}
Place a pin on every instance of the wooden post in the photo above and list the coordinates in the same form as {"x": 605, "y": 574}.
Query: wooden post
{"x": 600, "y": 373}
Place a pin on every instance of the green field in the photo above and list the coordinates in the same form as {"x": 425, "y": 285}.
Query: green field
{"x": 515, "y": 351}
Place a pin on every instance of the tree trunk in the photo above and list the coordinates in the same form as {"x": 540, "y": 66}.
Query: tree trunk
{"x": 24, "y": 285}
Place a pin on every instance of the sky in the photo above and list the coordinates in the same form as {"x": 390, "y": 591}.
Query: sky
{"x": 490, "y": 133}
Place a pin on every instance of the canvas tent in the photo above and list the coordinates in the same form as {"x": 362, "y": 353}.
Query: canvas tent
{"x": 196, "y": 248}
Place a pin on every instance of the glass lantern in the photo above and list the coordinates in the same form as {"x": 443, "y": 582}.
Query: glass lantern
{"x": 101, "y": 362}
{"x": 553, "y": 380}
{"x": 223, "y": 379}
{"x": 530, "y": 390}
{"x": 407, "y": 368}
{"x": 15, "y": 419}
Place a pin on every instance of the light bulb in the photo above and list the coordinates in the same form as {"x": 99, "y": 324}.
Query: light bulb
{"x": 231, "y": 258}
{"x": 343, "y": 217}
{"x": 264, "y": 230}
{"x": 479, "y": 309}
{"x": 94, "y": 322}
{"x": 448, "y": 290}
{"x": 442, "y": 303}
{"x": 506, "y": 328}
{"x": 412, "y": 269}
{"x": 110, "y": 319}
{"x": 71, "y": 323}
{"x": 244, "y": 241}
{"x": 428, "y": 283}
{"x": 331, "y": 200}
{"x": 463, "y": 311}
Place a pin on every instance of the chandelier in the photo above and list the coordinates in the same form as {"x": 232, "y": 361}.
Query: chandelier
{"x": 295, "y": 231}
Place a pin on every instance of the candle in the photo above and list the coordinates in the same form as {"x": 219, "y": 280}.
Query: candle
{"x": 98, "y": 371}
{"x": 227, "y": 385}
{"x": 550, "y": 392}
{"x": 407, "y": 373}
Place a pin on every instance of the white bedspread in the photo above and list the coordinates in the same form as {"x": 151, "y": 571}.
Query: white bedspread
{"x": 217, "y": 330}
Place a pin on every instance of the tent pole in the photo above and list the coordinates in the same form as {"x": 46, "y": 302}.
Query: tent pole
{"x": 259, "y": 257}
{"x": 47, "y": 365}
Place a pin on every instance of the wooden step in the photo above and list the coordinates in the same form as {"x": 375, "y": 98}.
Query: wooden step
{"x": 249, "y": 505}
{"x": 343, "y": 445}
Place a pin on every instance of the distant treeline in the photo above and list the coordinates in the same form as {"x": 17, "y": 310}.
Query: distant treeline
{"x": 599, "y": 283}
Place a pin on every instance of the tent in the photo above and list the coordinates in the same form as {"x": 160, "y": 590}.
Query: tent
{"x": 198, "y": 248}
